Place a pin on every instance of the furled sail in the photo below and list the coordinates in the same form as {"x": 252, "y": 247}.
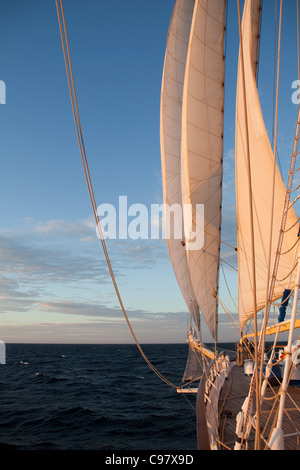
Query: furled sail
{"x": 250, "y": 129}
{"x": 170, "y": 133}
{"x": 202, "y": 151}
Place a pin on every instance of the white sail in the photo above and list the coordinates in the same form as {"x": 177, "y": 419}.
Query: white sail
{"x": 202, "y": 148}
{"x": 250, "y": 128}
{"x": 170, "y": 137}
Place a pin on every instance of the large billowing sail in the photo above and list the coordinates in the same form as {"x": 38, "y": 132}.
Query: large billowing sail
{"x": 250, "y": 129}
{"x": 170, "y": 131}
{"x": 202, "y": 149}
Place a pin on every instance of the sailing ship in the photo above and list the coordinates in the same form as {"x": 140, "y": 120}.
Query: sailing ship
{"x": 250, "y": 402}
{"x": 192, "y": 129}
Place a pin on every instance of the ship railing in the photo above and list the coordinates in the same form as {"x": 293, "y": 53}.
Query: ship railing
{"x": 208, "y": 394}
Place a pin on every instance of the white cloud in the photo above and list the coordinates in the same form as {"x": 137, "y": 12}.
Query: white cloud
{"x": 59, "y": 228}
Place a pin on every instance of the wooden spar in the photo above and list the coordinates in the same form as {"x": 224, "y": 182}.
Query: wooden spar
{"x": 193, "y": 343}
{"x": 272, "y": 329}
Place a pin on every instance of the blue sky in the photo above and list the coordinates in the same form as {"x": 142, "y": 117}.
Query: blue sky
{"x": 54, "y": 283}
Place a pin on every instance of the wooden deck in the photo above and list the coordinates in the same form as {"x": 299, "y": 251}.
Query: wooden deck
{"x": 232, "y": 397}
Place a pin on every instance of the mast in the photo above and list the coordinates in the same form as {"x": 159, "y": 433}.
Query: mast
{"x": 268, "y": 197}
{"x": 192, "y": 115}
{"x": 202, "y": 150}
{"x": 250, "y": 201}
{"x": 277, "y": 438}
{"x": 170, "y": 140}
{"x": 268, "y": 192}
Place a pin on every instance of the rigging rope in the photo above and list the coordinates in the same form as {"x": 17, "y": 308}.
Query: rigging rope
{"x": 288, "y": 229}
{"x": 298, "y": 46}
{"x": 290, "y": 249}
{"x": 253, "y": 272}
{"x": 69, "y": 70}
{"x": 291, "y": 271}
{"x": 284, "y": 216}
{"x": 228, "y": 287}
{"x": 269, "y": 284}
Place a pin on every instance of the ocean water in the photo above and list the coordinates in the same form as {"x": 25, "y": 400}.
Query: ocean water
{"x": 94, "y": 397}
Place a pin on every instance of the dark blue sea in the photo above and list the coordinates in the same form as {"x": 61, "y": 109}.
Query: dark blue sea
{"x": 94, "y": 397}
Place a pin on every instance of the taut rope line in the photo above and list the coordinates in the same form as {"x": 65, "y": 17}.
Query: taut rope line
{"x": 64, "y": 39}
